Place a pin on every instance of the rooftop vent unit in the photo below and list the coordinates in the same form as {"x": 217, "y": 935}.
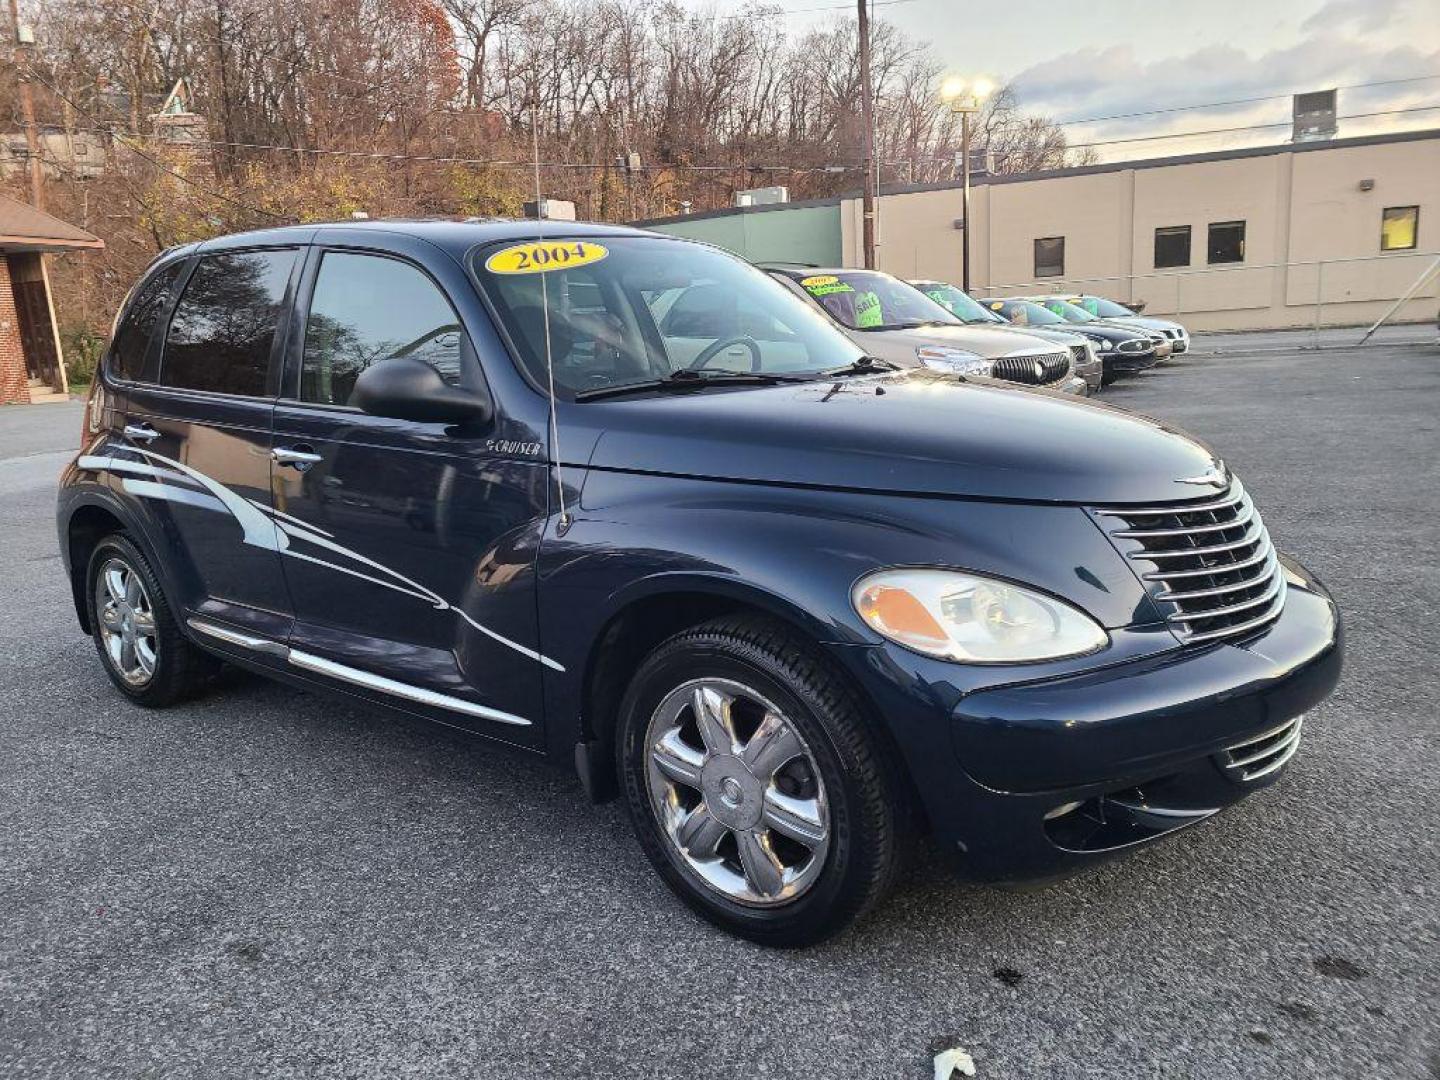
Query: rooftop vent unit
{"x": 764, "y": 196}
{"x": 1314, "y": 116}
{"x": 982, "y": 162}
{"x": 551, "y": 209}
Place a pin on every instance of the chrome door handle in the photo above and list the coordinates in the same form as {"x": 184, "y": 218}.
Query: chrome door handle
{"x": 141, "y": 433}
{"x": 295, "y": 457}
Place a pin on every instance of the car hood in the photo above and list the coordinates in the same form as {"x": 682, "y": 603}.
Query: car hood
{"x": 1045, "y": 333}
{"x": 900, "y": 345}
{"x": 1106, "y": 331}
{"x": 1134, "y": 327}
{"x": 914, "y": 432}
{"x": 1149, "y": 322}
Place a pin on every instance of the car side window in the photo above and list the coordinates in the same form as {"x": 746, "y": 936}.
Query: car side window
{"x": 133, "y": 335}
{"x": 224, "y": 326}
{"x": 368, "y": 308}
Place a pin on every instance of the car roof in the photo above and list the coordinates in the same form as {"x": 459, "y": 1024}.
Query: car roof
{"x": 454, "y": 235}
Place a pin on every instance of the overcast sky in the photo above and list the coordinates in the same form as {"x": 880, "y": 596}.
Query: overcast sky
{"x": 1076, "y": 60}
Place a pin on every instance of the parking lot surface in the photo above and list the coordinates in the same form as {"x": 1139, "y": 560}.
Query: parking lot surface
{"x": 270, "y": 884}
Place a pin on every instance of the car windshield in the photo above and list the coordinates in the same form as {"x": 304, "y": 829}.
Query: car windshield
{"x": 866, "y": 300}
{"x": 958, "y": 303}
{"x": 1025, "y": 313}
{"x": 1104, "y": 309}
{"x": 1067, "y": 311}
{"x": 631, "y": 309}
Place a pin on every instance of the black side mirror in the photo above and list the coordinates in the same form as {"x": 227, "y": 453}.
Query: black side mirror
{"x": 407, "y": 388}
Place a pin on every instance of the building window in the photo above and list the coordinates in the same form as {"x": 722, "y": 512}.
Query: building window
{"x": 1399, "y": 228}
{"x": 1172, "y": 246}
{"x": 1227, "y": 242}
{"x": 1050, "y": 257}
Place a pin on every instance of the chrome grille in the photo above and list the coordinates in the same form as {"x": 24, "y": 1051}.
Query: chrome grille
{"x": 1209, "y": 563}
{"x": 1037, "y": 370}
{"x": 1259, "y": 756}
{"x": 1078, "y": 355}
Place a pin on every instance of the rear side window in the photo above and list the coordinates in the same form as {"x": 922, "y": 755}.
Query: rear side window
{"x": 132, "y": 336}
{"x": 223, "y": 330}
{"x": 368, "y": 308}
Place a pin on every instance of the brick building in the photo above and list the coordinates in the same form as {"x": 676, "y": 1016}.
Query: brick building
{"x": 30, "y": 359}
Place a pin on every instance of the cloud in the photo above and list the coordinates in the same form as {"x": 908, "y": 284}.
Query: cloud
{"x": 1362, "y": 16}
{"x": 1114, "y": 80}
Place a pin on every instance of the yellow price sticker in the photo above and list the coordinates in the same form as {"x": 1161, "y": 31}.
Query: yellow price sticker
{"x": 819, "y": 279}
{"x": 539, "y": 256}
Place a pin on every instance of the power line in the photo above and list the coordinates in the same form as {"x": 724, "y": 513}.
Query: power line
{"x": 1234, "y": 101}
{"x": 456, "y": 159}
{"x": 449, "y": 159}
{"x": 1246, "y": 127}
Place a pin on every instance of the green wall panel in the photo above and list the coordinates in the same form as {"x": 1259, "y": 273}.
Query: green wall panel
{"x": 807, "y": 234}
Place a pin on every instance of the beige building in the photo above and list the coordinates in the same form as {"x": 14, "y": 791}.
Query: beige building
{"x": 1331, "y": 231}
{"x": 1233, "y": 240}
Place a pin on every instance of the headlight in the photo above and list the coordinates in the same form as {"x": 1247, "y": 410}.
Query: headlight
{"x": 972, "y": 619}
{"x": 1092, "y": 350}
{"x": 957, "y": 361}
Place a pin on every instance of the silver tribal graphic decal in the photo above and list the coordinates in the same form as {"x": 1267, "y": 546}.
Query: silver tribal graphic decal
{"x": 265, "y": 527}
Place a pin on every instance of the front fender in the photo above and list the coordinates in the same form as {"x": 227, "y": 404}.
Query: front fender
{"x": 796, "y": 553}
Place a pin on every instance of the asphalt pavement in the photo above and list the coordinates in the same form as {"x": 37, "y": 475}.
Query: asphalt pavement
{"x": 267, "y": 883}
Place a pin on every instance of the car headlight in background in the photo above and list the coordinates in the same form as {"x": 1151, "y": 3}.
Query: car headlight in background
{"x": 956, "y": 361}
{"x": 972, "y": 619}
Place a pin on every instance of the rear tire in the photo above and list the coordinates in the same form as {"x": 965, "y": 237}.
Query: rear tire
{"x": 755, "y": 785}
{"x": 140, "y": 644}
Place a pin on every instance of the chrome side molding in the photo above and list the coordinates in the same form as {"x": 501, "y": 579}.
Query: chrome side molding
{"x": 235, "y": 637}
{"x": 355, "y": 676}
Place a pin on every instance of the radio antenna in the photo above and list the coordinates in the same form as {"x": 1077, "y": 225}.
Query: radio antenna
{"x": 563, "y": 524}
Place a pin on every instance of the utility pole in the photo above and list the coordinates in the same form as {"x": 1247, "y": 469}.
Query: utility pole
{"x": 965, "y": 201}
{"x": 24, "y": 44}
{"x": 867, "y": 119}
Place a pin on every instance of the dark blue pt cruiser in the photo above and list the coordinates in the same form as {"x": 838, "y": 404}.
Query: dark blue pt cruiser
{"x": 796, "y": 607}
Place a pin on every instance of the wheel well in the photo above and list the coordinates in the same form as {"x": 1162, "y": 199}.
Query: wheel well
{"x": 632, "y": 634}
{"x": 88, "y": 526}
{"x": 629, "y": 637}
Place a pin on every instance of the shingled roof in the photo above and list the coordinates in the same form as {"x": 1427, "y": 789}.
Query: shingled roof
{"x": 23, "y": 228}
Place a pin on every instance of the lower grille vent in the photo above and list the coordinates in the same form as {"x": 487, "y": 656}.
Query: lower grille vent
{"x": 1257, "y": 758}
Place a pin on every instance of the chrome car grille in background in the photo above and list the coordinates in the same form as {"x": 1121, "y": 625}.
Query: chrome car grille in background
{"x": 1258, "y": 757}
{"x": 1077, "y": 355}
{"x": 1208, "y": 563}
{"x": 1038, "y": 370}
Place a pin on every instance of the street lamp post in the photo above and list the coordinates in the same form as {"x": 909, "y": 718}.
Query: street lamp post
{"x": 966, "y": 99}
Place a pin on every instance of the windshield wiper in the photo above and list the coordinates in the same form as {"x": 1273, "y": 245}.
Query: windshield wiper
{"x": 687, "y": 379}
{"x": 866, "y": 365}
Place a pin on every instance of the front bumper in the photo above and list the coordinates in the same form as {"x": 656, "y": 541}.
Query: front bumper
{"x": 1127, "y": 363}
{"x": 1051, "y": 775}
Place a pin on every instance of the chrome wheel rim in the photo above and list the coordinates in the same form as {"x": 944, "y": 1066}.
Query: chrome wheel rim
{"x": 127, "y": 622}
{"x": 737, "y": 793}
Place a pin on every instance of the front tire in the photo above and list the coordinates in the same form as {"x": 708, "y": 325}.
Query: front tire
{"x": 140, "y": 644}
{"x": 756, "y": 787}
